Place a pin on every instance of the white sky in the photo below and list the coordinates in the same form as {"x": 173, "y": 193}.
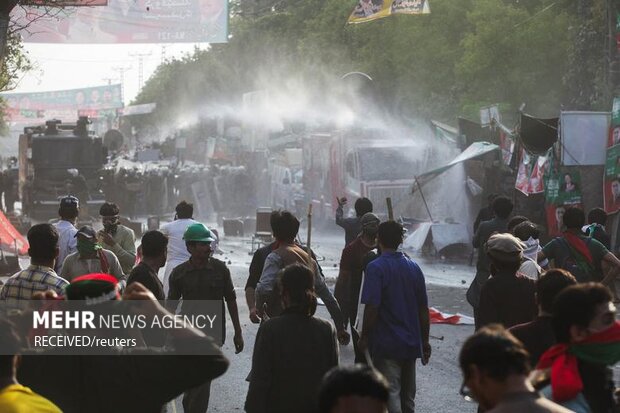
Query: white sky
{"x": 65, "y": 66}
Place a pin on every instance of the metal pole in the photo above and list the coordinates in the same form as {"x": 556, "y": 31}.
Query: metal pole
{"x": 424, "y": 199}
{"x": 309, "y": 239}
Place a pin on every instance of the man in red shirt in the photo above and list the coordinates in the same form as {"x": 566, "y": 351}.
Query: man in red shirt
{"x": 352, "y": 265}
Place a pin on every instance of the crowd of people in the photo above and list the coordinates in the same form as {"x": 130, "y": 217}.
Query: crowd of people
{"x": 545, "y": 338}
{"x": 548, "y": 307}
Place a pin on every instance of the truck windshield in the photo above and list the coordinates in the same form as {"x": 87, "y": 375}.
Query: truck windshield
{"x": 378, "y": 164}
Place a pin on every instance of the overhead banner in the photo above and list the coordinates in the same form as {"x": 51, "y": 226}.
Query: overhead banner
{"x": 611, "y": 183}
{"x": 65, "y": 105}
{"x": 562, "y": 190}
{"x": 129, "y": 21}
{"x": 65, "y": 3}
{"x": 368, "y": 10}
{"x": 143, "y": 109}
{"x": 530, "y": 176}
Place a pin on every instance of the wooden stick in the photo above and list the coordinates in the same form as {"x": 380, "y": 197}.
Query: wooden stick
{"x": 309, "y": 238}
{"x": 390, "y": 209}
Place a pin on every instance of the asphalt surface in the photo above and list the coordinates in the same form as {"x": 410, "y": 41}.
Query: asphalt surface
{"x": 438, "y": 382}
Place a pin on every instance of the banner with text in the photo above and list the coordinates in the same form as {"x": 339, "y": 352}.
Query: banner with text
{"x": 125, "y": 21}
{"x": 65, "y": 105}
{"x": 368, "y": 10}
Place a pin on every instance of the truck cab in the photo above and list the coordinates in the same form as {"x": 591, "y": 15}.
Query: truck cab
{"x": 48, "y": 157}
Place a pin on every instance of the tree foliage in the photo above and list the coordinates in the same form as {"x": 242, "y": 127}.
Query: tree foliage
{"x": 465, "y": 54}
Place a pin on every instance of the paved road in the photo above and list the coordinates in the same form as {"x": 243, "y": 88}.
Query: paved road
{"x": 438, "y": 382}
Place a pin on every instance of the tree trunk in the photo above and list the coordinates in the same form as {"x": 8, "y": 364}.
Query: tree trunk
{"x": 5, "y": 16}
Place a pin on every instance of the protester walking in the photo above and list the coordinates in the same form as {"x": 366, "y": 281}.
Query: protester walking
{"x": 352, "y": 265}
{"x": 506, "y": 297}
{"x": 285, "y": 227}
{"x": 69, "y": 210}
{"x": 537, "y": 335}
{"x": 202, "y": 278}
{"x": 396, "y": 317}
{"x": 584, "y": 257}
{"x": 293, "y": 351}
{"x": 502, "y": 207}
{"x": 177, "y": 251}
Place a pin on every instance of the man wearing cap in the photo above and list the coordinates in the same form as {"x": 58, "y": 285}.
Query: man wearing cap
{"x": 116, "y": 237}
{"x": 349, "y": 280}
{"x": 68, "y": 211}
{"x": 203, "y": 278}
{"x": 90, "y": 257}
{"x": 506, "y": 298}
{"x": 39, "y": 276}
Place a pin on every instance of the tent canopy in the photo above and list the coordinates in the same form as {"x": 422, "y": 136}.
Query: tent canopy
{"x": 474, "y": 150}
{"x": 443, "y": 235}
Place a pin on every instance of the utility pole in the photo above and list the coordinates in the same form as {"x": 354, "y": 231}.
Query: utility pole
{"x": 163, "y": 54}
{"x": 108, "y": 80}
{"x": 121, "y": 71}
{"x": 140, "y": 57}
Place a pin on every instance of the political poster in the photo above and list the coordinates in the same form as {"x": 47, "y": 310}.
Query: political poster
{"x": 507, "y": 145}
{"x": 611, "y": 182}
{"x": 65, "y": 105}
{"x": 530, "y": 176}
{"x": 65, "y": 3}
{"x": 368, "y": 10}
{"x": 562, "y": 190}
{"x": 129, "y": 21}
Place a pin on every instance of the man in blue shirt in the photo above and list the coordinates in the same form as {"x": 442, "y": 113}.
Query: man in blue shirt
{"x": 396, "y": 319}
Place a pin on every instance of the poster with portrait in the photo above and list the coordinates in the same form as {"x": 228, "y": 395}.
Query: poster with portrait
{"x": 611, "y": 183}
{"x": 61, "y": 104}
{"x": 562, "y": 190}
{"x": 507, "y": 145}
{"x": 531, "y": 173}
{"x": 129, "y": 21}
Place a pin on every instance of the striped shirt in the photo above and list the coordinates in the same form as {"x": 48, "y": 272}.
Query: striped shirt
{"x": 19, "y": 288}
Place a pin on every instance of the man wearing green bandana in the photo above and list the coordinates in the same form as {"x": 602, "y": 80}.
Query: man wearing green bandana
{"x": 588, "y": 336}
{"x": 90, "y": 258}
